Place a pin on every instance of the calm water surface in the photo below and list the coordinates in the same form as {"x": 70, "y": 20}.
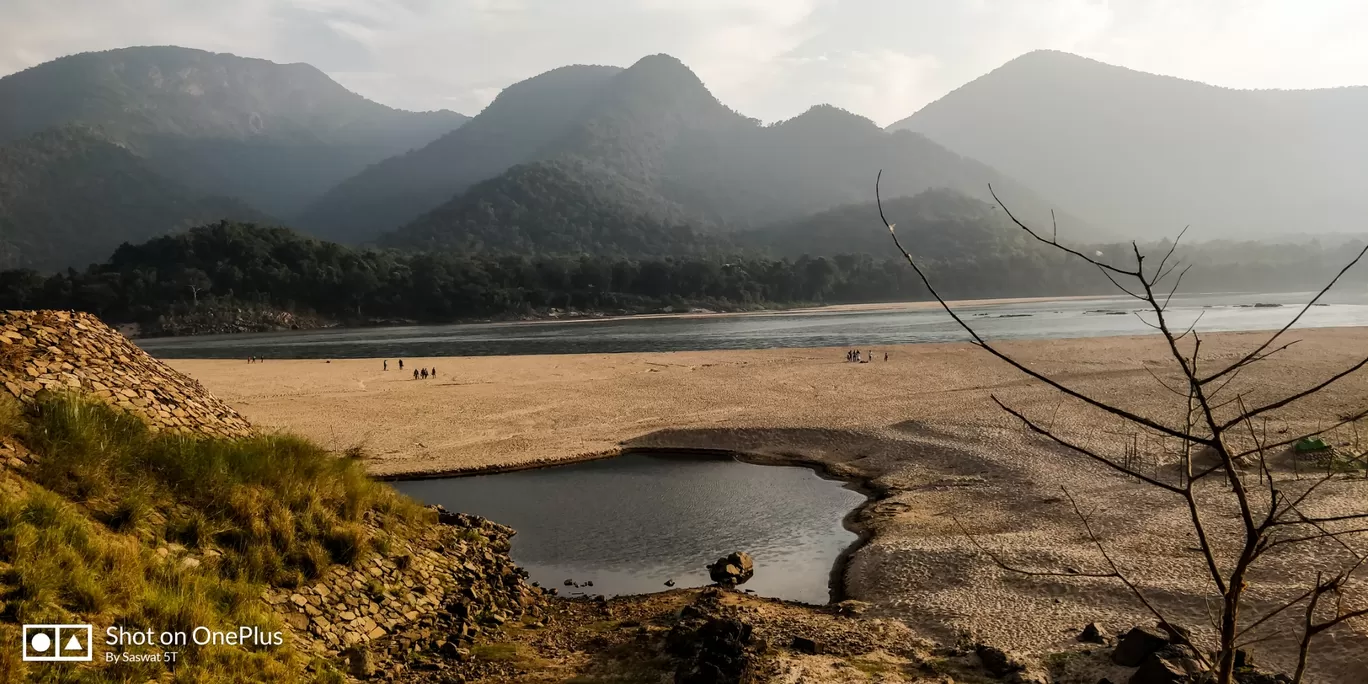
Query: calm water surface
{"x": 632, "y": 522}
{"x": 1050, "y": 319}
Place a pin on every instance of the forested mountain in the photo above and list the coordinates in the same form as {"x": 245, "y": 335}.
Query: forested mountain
{"x": 274, "y": 135}
{"x": 68, "y": 197}
{"x": 675, "y": 151}
{"x": 1149, "y": 154}
{"x": 523, "y": 119}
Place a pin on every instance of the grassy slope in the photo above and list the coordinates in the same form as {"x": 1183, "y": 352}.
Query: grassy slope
{"x": 81, "y": 531}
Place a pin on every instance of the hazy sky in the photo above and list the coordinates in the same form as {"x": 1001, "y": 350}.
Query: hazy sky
{"x": 770, "y": 59}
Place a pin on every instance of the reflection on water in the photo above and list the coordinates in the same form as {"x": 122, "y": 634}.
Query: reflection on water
{"x": 630, "y": 523}
{"x": 1050, "y": 319}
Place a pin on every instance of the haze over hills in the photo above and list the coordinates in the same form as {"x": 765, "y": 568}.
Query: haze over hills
{"x": 1147, "y": 155}
{"x": 69, "y": 197}
{"x": 657, "y": 143}
{"x": 273, "y": 135}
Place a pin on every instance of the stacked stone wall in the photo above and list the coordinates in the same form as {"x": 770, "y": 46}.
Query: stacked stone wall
{"x": 64, "y": 350}
{"x": 434, "y": 592}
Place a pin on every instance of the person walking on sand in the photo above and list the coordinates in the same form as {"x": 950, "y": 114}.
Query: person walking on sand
{"x": 415, "y": 373}
{"x": 885, "y": 356}
{"x": 401, "y": 364}
{"x": 386, "y": 364}
{"x": 434, "y": 371}
{"x": 425, "y": 374}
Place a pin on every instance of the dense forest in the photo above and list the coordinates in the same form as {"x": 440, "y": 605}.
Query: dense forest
{"x": 232, "y": 266}
{"x": 229, "y": 265}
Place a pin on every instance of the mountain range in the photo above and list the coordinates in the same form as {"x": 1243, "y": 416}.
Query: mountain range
{"x": 101, "y": 148}
{"x": 1147, "y": 155}
{"x": 653, "y": 142}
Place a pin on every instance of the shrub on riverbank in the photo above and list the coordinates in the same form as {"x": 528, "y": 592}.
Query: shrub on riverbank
{"x": 111, "y": 523}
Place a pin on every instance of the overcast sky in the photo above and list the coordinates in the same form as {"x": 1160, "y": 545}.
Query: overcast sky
{"x": 770, "y": 59}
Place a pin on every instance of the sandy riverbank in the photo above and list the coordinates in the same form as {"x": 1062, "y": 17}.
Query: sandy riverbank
{"x": 483, "y": 412}
{"x": 921, "y": 426}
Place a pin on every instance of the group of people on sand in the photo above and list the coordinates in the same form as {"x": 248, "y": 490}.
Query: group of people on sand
{"x": 418, "y": 373}
{"x": 854, "y": 356}
{"x": 255, "y": 359}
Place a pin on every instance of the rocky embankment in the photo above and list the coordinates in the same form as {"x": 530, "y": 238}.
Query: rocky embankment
{"x": 62, "y": 350}
{"x": 420, "y": 605}
{"x": 222, "y": 320}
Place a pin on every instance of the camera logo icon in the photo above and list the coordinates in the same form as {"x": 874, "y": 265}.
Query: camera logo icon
{"x": 59, "y": 643}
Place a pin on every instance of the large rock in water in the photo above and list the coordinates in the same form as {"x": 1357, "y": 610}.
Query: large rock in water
{"x": 72, "y": 351}
{"x": 733, "y": 569}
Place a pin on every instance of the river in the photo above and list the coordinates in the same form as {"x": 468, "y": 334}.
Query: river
{"x": 813, "y": 328}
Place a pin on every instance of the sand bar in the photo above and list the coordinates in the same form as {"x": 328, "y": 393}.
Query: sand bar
{"x": 491, "y": 412}
{"x": 922, "y": 427}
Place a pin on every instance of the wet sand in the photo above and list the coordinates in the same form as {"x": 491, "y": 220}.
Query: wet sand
{"x": 921, "y": 428}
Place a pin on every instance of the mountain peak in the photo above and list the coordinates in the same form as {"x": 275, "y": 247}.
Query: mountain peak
{"x": 828, "y": 118}
{"x": 661, "y": 63}
{"x": 660, "y": 74}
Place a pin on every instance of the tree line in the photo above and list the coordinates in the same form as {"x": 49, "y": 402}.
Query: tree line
{"x": 227, "y": 265}
{"x": 233, "y": 264}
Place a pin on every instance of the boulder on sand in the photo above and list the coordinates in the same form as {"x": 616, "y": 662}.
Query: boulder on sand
{"x": 733, "y": 569}
{"x": 1136, "y": 645}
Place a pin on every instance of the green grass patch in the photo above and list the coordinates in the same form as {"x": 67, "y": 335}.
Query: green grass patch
{"x": 79, "y": 539}
{"x": 268, "y": 502}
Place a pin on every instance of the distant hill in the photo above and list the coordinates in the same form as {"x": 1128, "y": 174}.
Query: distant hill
{"x": 673, "y": 152}
{"x": 1146, "y": 155}
{"x": 69, "y": 197}
{"x": 937, "y": 224}
{"x": 554, "y": 207}
{"x": 274, "y": 135}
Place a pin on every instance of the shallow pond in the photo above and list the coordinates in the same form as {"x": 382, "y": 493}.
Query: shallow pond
{"x": 632, "y": 522}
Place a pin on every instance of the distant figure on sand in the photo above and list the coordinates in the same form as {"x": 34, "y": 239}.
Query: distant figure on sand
{"x": 386, "y": 364}
{"x": 415, "y": 373}
{"x": 434, "y": 371}
{"x": 401, "y": 364}
{"x": 885, "y": 356}
{"x": 425, "y": 374}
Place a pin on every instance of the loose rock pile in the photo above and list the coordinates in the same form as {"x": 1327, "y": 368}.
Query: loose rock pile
{"x": 62, "y": 350}
{"x": 713, "y": 646}
{"x": 435, "y": 593}
{"x": 1161, "y": 655}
